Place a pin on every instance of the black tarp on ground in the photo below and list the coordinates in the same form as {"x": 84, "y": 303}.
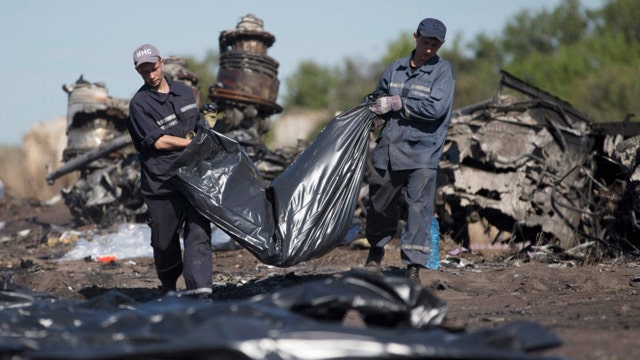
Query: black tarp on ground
{"x": 304, "y": 213}
{"x": 300, "y": 322}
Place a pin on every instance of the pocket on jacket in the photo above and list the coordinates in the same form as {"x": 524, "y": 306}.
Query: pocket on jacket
{"x": 420, "y": 139}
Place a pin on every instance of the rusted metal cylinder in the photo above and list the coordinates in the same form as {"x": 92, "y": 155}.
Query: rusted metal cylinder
{"x": 87, "y": 123}
{"x": 84, "y": 97}
{"x": 247, "y": 75}
{"x": 249, "y": 36}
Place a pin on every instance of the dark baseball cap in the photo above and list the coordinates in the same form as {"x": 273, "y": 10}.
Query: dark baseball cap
{"x": 430, "y": 27}
{"x": 146, "y": 53}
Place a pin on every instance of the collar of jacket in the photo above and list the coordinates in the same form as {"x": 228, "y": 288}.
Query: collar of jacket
{"x": 405, "y": 64}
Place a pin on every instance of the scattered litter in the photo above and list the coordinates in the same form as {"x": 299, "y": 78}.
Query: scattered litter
{"x": 583, "y": 250}
{"x": 498, "y": 247}
{"x": 106, "y": 259}
{"x": 24, "y": 232}
{"x": 54, "y": 200}
{"x": 66, "y": 238}
{"x": 360, "y": 244}
{"x": 458, "y": 250}
{"x": 455, "y": 262}
{"x": 563, "y": 265}
{"x": 129, "y": 241}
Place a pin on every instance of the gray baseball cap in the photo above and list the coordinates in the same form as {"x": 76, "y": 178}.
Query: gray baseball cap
{"x": 146, "y": 53}
{"x": 430, "y": 27}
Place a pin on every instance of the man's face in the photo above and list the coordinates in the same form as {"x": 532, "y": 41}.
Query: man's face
{"x": 151, "y": 73}
{"x": 426, "y": 47}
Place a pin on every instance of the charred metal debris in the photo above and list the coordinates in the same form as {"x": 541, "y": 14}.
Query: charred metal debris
{"x": 526, "y": 169}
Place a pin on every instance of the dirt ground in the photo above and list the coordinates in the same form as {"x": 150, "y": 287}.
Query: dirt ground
{"x": 594, "y": 309}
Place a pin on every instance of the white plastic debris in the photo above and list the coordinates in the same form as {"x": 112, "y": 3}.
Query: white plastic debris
{"x": 54, "y": 200}
{"x": 132, "y": 241}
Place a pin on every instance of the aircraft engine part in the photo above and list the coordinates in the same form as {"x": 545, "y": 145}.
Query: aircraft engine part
{"x": 247, "y": 84}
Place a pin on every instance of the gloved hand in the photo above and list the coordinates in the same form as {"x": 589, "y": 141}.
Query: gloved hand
{"x": 387, "y": 103}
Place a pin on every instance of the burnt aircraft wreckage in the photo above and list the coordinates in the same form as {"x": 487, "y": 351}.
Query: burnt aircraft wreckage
{"x": 527, "y": 167}
{"x": 247, "y": 84}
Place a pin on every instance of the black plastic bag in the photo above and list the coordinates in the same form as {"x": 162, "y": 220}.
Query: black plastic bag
{"x": 307, "y": 209}
{"x": 302, "y": 321}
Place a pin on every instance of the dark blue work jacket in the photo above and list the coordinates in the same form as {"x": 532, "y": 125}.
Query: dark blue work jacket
{"x": 414, "y": 137}
{"x": 153, "y": 114}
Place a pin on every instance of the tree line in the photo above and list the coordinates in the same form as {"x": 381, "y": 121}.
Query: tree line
{"x": 587, "y": 57}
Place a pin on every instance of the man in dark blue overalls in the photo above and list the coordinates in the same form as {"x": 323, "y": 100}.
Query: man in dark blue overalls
{"x": 162, "y": 114}
{"x": 415, "y": 100}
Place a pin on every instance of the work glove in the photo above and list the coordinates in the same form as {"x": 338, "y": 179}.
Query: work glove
{"x": 387, "y": 103}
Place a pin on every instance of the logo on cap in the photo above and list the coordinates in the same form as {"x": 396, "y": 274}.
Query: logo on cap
{"x": 146, "y": 53}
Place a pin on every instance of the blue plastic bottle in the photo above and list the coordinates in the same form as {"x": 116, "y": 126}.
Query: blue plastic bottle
{"x": 434, "y": 256}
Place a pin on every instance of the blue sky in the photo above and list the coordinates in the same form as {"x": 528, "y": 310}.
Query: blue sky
{"x": 50, "y": 43}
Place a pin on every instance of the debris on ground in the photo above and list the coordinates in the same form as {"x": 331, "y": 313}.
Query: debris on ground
{"x": 527, "y": 167}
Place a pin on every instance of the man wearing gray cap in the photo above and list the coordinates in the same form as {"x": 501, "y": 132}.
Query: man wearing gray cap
{"x": 414, "y": 101}
{"x": 162, "y": 114}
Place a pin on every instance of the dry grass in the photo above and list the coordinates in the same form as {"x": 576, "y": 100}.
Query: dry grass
{"x": 23, "y": 169}
{"x": 295, "y": 125}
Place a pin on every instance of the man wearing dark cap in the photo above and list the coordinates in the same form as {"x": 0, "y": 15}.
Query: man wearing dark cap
{"x": 414, "y": 100}
{"x": 161, "y": 115}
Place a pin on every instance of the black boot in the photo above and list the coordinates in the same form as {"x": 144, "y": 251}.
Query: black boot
{"x": 412, "y": 273}
{"x": 374, "y": 259}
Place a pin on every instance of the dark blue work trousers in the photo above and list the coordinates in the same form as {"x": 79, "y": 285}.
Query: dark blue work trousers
{"x": 385, "y": 191}
{"x": 168, "y": 216}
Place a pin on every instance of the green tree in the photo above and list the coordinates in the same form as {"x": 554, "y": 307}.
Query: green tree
{"x": 400, "y": 47}
{"x": 587, "y": 57}
{"x": 356, "y": 80}
{"x": 475, "y": 76}
{"x": 543, "y": 32}
{"x": 206, "y": 69}
{"x": 594, "y": 69}
{"x": 311, "y": 86}
{"x": 620, "y": 16}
